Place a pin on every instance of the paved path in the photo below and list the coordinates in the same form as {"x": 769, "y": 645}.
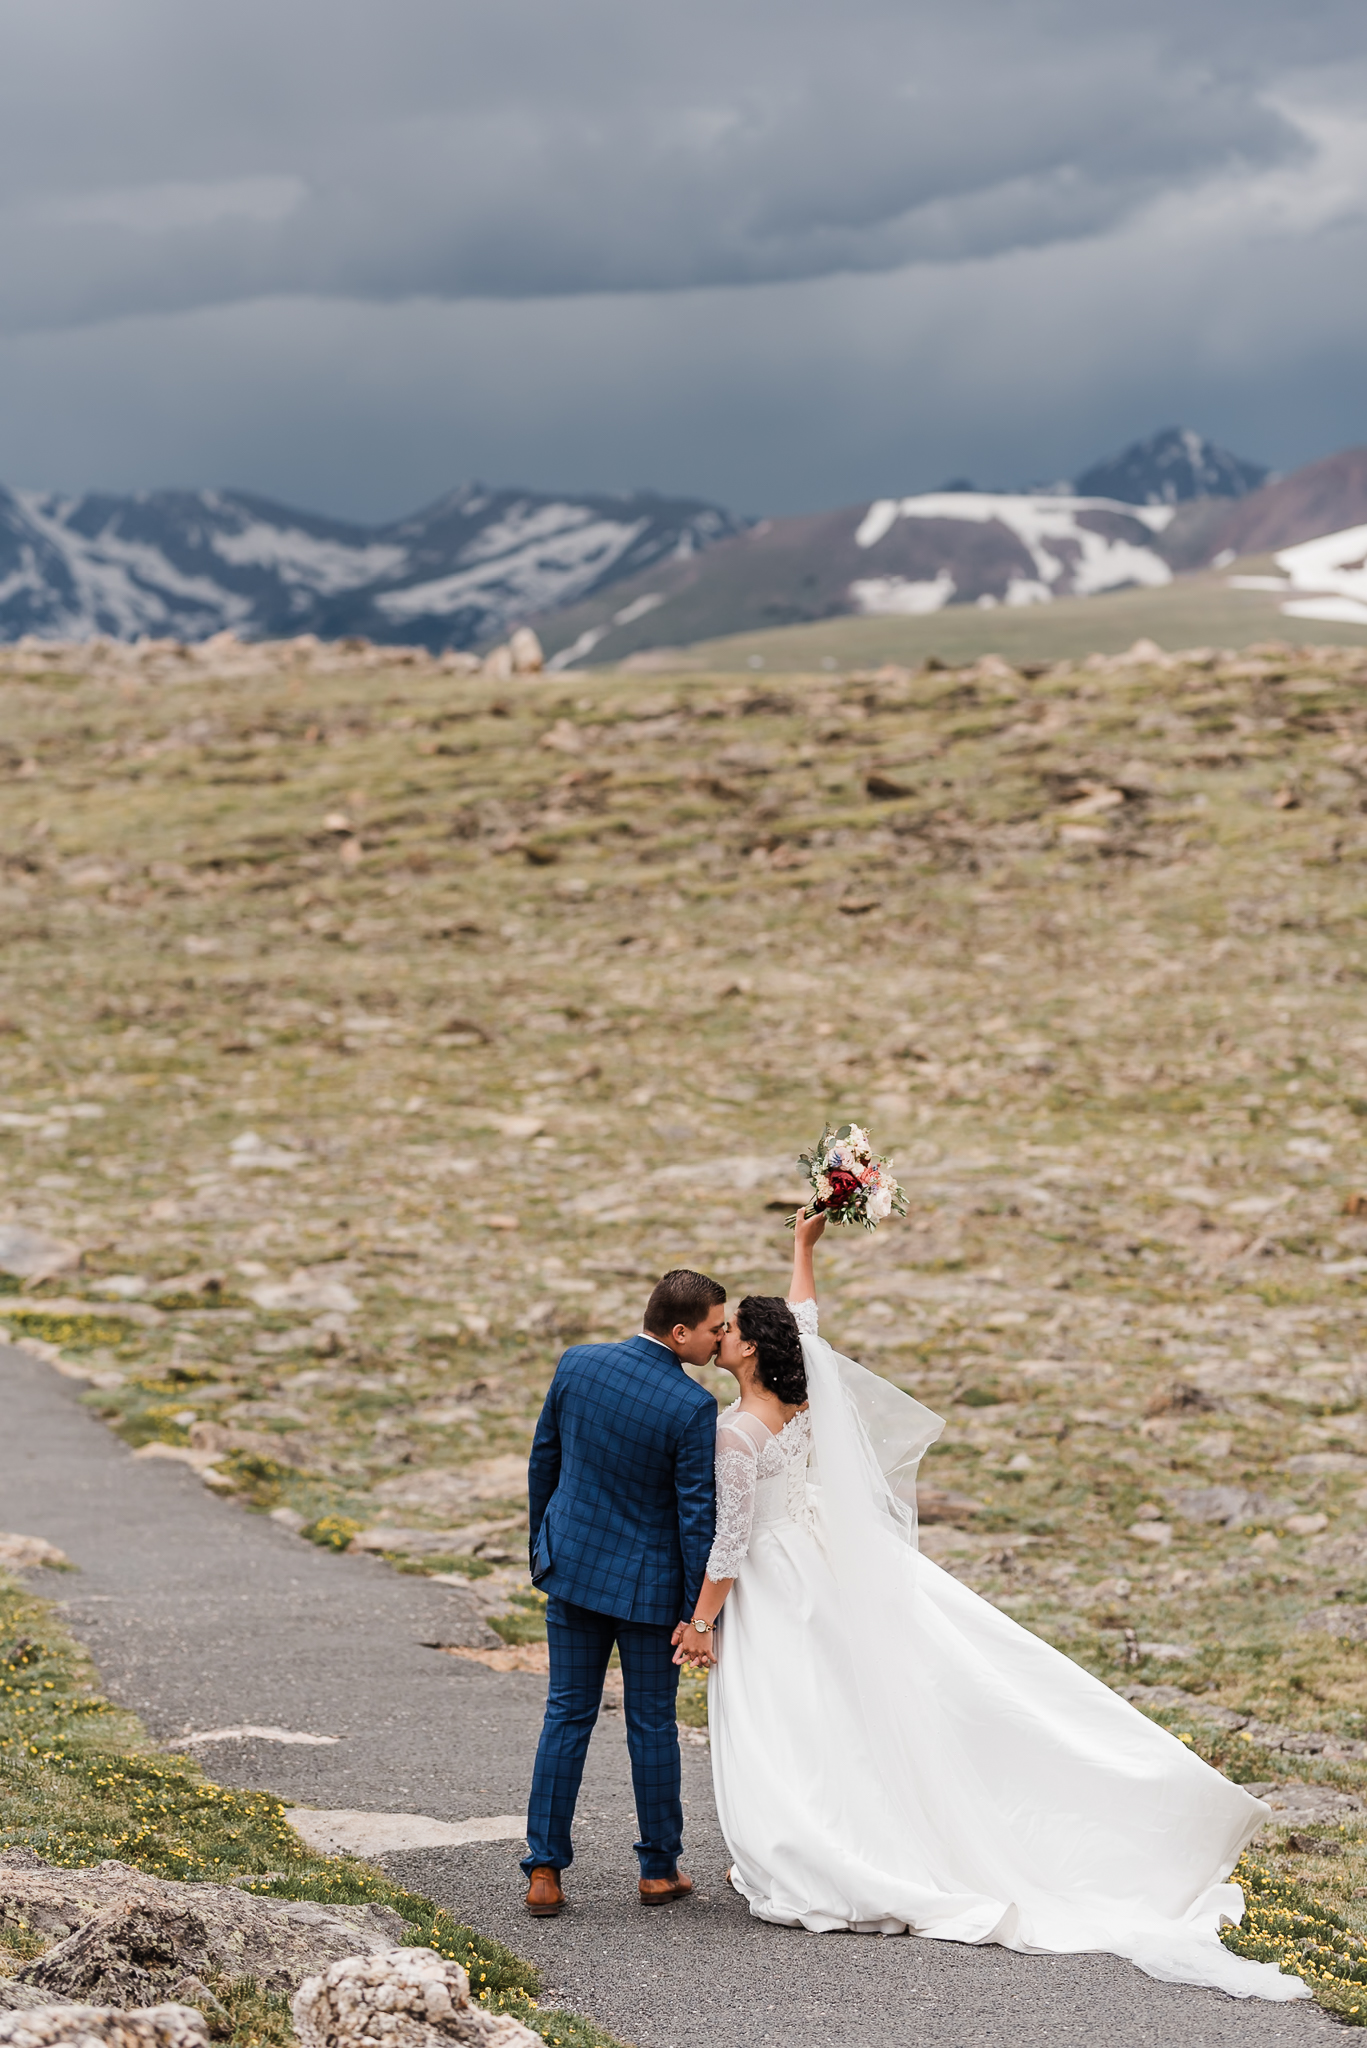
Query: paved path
{"x": 204, "y": 1616}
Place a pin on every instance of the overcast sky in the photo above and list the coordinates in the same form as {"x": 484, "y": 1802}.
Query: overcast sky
{"x": 784, "y": 254}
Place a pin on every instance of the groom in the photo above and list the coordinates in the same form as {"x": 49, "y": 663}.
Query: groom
{"x": 622, "y": 1503}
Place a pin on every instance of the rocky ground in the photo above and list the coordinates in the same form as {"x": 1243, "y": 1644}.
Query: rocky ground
{"x": 374, "y": 1030}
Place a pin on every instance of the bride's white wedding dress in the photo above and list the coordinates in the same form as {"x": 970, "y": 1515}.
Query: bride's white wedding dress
{"x": 892, "y": 1754}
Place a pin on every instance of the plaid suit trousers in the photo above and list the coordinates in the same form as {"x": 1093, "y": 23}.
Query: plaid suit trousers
{"x": 580, "y": 1645}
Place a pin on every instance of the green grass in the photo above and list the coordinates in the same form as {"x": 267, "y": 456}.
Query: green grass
{"x": 79, "y": 1784}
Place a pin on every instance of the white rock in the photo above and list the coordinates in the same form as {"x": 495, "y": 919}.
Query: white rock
{"x": 310, "y": 1293}
{"x": 105, "y": 2026}
{"x": 498, "y": 664}
{"x": 410, "y": 1998}
{"x": 33, "y": 1255}
{"x": 251, "y": 1151}
{"x": 22, "y": 1552}
{"x": 525, "y": 650}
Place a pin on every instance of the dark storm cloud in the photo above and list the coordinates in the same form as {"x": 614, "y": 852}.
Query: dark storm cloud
{"x": 156, "y": 158}
{"x": 780, "y": 253}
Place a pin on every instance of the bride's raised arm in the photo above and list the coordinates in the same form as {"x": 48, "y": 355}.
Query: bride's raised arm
{"x": 806, "y": 1231}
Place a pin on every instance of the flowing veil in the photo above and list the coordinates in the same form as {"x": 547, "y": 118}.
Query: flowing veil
{"x": 870, "y": 1439}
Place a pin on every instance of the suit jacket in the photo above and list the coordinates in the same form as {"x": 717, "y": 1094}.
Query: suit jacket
{"x": 621, "y": 1484}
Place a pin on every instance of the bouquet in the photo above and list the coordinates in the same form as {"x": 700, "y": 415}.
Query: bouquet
{"x": 850, "y": 1183}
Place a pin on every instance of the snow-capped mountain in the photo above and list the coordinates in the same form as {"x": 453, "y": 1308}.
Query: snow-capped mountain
{"x": 897, "y": 555}
{"x": 1168, "y": 469}
{"x": 186, "y": 564}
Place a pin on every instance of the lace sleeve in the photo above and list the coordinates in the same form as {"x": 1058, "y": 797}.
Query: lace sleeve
{"x": 804, "y": 1313}
{"x": 737, "y": 1470}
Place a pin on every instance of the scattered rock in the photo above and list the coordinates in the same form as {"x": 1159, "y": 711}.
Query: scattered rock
{"x": 102, "y": 2026}
{"x": 525, "y": 650}
{"x": 1310, "y": 1805}
{"x": 1228, "y": 1504}
{"x": 205, "y": 1283}
{"x": 199, "y": 1460}
{"x": 1349, "y": 1624}
{"x": 21, "y": 1553}
{"x": 135, "y": 1935}
{"x": 1266, "y": 1734}
{"x": 410, "y": 1998}
{"x": 491, "y": 1479}
{"x": 1210, "y": 1503}
{"x": 126, "y": 1956}
{"x": 421, "y": 1542}
{"x": 33, "y": 1255}
{"x": 1313, "y": 1845}
{"x": 935, "y": 1505}
{"x": 307, "y": 1293}
{"x": 1179, "y": 1398}
{"x": 251, "y": 1152}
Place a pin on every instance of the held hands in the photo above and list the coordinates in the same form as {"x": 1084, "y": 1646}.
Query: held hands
{"x": 691, "y": 1648}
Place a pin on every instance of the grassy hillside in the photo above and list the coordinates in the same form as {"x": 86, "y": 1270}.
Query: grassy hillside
{"x": 1193, "y": 611}
{"x": 486, "y": 1003}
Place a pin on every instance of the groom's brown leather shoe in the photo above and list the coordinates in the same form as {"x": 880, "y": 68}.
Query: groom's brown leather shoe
{"x": 658, "y": 1891}
{"x": 544, "y": 1896}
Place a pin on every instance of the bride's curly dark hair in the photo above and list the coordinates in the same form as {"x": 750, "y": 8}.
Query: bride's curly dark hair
{"x": 767, "y": 1322}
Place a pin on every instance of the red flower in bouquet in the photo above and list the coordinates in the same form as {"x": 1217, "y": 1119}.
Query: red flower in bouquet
{"x": 843, "y": 1187}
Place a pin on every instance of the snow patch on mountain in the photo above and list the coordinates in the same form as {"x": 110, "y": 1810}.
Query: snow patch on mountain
{"x": 523, "y": 566}
{"x": 1335, "y": 567}
{"x": 1079, "y": 546}
{"x": 326, "y": 566}
{"x": 115, "y": 585}
{"x": 897, "y": 596}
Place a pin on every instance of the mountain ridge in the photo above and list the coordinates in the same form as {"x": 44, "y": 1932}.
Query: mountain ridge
{"x": 603, "y": 577}
{"x": 191, "y": 563}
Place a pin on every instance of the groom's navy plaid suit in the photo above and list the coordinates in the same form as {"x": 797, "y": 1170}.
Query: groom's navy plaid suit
{"x": 622, "y": 1501}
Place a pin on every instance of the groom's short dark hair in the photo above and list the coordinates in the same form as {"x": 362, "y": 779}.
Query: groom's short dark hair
{"x": 681, "y": 1297}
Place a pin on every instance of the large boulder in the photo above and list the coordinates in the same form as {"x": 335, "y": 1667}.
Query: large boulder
{"x": 128, "y": 1939}
{"x": 410, "y": 1998}
{"x": 101, "y": 2026}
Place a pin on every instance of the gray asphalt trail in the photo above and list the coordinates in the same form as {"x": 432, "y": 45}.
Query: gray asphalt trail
{"x": 202, "y": 1615}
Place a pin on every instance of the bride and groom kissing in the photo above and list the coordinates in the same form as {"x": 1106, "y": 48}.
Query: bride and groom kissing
{"x": 890, "y": 1753}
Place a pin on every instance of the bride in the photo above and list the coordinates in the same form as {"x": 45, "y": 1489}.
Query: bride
{"x": 891, "y": 1753}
